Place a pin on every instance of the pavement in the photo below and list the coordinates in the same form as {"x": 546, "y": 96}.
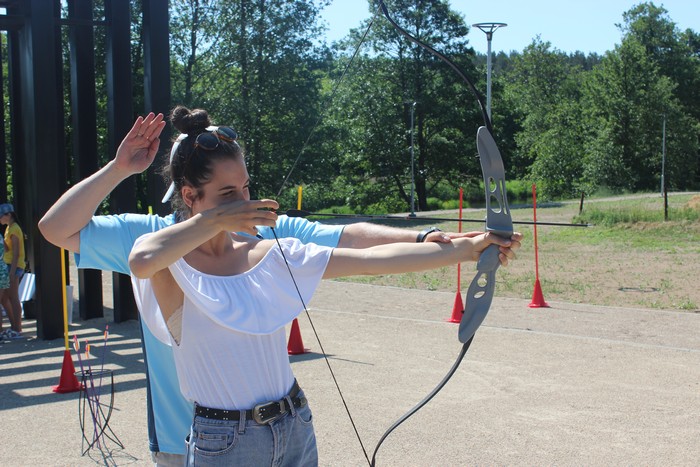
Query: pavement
{"x": 571, "y": 384}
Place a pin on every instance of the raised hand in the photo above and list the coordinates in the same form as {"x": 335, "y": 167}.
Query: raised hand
{"x": 139, "y": 147}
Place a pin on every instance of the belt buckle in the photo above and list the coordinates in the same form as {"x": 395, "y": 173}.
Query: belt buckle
{"x": 259, "y": 412}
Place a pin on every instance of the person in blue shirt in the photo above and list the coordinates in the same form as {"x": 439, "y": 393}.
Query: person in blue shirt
{"x": 104, "y": 242}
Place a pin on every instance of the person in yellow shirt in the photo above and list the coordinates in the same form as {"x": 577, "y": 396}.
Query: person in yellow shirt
{"x": 15, "y": 264}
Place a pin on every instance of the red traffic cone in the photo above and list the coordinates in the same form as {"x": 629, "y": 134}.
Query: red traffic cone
{"x": 537, "y": 297}
{"x": 68, "y": 381}
{"x": 457, "y": 310}
{"x": 295, "y": 346}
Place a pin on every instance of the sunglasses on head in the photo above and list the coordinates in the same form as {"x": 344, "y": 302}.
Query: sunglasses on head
{"x": 209, "y": 140}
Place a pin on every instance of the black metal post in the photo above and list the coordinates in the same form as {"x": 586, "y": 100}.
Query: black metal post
{"x": 39, "y": 156}
{"x": 84, "y": 110}
{"x": 156, "y": 73}
{"x": 119, "y": 120}
{"x": 14, "y": 97}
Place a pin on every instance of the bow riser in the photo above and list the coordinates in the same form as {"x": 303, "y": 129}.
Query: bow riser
{"x": 498, "y": 221}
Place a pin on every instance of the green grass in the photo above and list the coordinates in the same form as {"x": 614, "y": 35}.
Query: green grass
{"x": 639, "y": 222}
{"x": 630, "y": 213}
{"x": 629, "y": 256}
{"x": 669, "y": 237}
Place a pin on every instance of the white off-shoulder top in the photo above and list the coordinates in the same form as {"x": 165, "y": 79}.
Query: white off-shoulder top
{"x": 232, "y": 352}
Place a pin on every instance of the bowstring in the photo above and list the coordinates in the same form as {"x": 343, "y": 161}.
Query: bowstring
{"x": 324, "y": 108}
{"x": 325, "y": 105}
{"x": 323, "y": 351}
{"x": 487, "y": 124}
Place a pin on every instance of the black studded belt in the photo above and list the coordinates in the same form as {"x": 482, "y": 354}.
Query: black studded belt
{"x": 261, "y": 413}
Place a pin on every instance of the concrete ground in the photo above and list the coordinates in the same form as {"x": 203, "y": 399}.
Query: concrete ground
{"x": 566, "y": 385}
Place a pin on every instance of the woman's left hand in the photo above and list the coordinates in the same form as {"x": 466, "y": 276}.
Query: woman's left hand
{"x": 506, "y": 247}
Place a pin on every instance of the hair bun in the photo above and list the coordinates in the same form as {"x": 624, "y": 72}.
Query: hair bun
{"x": 189, "y": 121}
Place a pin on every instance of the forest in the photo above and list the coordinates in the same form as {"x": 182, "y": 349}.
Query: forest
{"x": 341, "y": 120}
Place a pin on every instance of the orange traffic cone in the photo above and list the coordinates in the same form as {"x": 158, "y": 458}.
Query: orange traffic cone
{"x": 295, "y": 346}
{"x": 457, "y": 310}
{"x": 68, "y": 381}
{"x": 537, "y": 297}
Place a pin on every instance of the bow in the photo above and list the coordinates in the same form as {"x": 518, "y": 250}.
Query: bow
{"x": 498, "y": 222}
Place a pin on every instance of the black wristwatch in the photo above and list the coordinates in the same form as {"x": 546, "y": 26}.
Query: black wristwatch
{"x": 424, "y": 233}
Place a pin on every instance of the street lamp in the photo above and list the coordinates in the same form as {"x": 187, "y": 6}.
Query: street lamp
{"x": 413, "y": 179}
{"x": 489, "y": 29}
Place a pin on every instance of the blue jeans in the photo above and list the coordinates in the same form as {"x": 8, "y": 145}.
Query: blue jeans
{"x": 166, "y": 459}
{"x": 19, "y": 272}
{"x": 288, "y": 441}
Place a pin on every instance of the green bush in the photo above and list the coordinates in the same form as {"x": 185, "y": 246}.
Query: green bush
{"x": 433, "y": 204}
{"x": 519, "y": 190}
{"x": 343, "y": 196}
{"x": 452, "y": 204}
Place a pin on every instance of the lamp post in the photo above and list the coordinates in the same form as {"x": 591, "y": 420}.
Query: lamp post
{"x": 663, "y": 156}
{"x": 413, "y": 179}
{"x": 489, "y": 29}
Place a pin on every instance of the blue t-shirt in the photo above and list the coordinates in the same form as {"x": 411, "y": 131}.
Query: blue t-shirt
{"x": 105, "y": 243}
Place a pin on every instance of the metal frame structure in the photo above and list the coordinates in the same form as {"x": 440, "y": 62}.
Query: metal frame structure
{"x": 39, "y": 158}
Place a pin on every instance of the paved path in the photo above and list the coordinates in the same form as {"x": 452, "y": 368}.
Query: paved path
{"x": 566, "y": 385}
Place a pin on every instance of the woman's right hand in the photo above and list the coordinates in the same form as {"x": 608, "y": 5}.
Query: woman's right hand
{"x": 244, "y": 216}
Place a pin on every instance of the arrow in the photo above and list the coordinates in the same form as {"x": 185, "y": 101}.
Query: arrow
{"x": 303, "y": 213}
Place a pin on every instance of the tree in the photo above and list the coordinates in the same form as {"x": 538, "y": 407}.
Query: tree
{"x": 396, "y": 73}
{"x": 559, "y": 167}
{"x": 254, "y": 65}
{"x": 668, "y": 48}
{"x": 676, "y": 55}
{"x": 194, "y": 41}
{"x": 626, "y": 98}
{"x": 542, "y": 90}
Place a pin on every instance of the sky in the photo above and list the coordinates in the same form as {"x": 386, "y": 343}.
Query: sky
{"x": 569, "y": 25}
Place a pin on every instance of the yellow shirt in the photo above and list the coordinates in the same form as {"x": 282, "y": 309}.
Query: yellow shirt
{"x": 16, "y": 230}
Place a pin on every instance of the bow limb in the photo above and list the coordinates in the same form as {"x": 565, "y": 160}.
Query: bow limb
{"x": 425, "y": 400}
{"x": 450, "y": 63}
{"x": 481, "y": 290}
